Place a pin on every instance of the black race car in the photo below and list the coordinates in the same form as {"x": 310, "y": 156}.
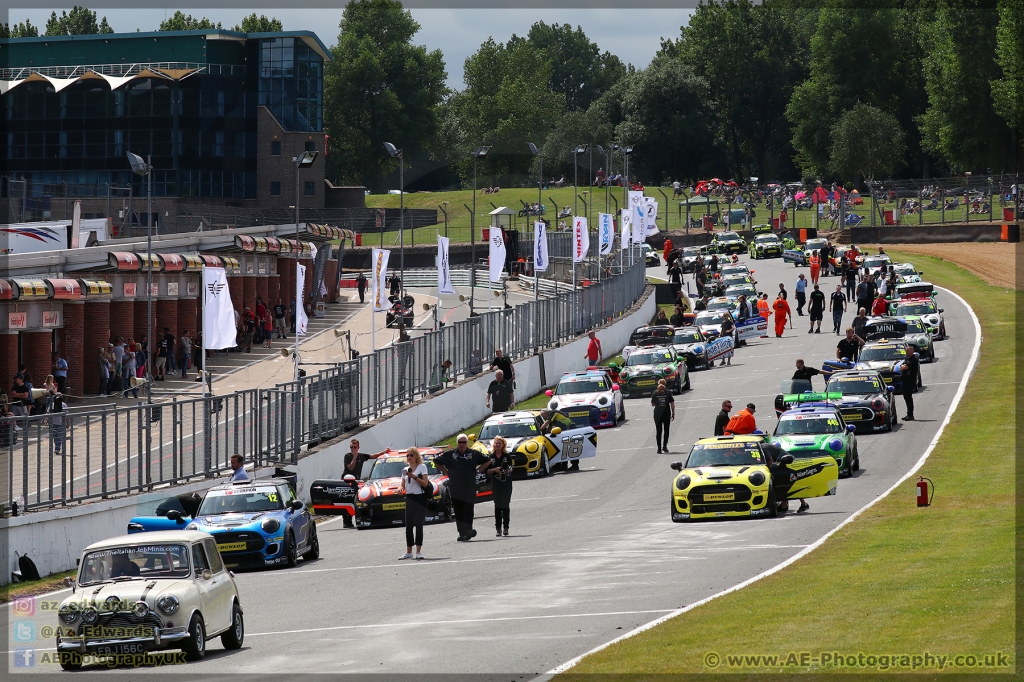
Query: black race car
{"x": 867, "y": 401}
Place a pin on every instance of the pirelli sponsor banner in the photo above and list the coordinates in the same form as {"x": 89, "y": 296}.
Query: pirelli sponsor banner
{"x": 752, "y": 328}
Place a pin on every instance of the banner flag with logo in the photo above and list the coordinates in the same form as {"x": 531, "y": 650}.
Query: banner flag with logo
{"x": 606, "y": 232}
{"x": 580, "y": 240}
{"x": 379, "y": 279}
{"x": 626, "y": 229}
{"x": 651, "y": 218}
{"x": 218, "y": 313}
{"x": 444, "y": 273}
{"x": 301, "y": 320}
{"x": 540, "y": 247}
{"x": 639, "y": 224}
{"x": 496, "y": 254}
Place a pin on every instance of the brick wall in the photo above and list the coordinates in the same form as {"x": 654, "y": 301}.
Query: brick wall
{"x": 96, "y": 335}
{"x": 8, "y": 358}
{"x": 249, "y": 292}
{"x": 73, "y": 345}
{"x": 141, "y": 315}
{"x": 263, "y": 289}
{"x": 273, "y": 289}
{"x": 286, "y": 270}
{"x": 235, "y": 288}
{"x": 36, "y": 350}
{"x": 187, "y": 317}
{"x": 167, "y": 315}
{"x": 279, "y": 168}
{"x": 122, "y": 319}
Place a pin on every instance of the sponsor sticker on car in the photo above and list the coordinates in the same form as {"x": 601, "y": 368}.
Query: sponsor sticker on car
{"x": 645, "y": 382}
{"x": 231, "y": 547}
{"x": 719, "y": 497}
{"x": 852, "y": 417}
{"x": 580, "y": 413}
{"x": 391, "y": 506}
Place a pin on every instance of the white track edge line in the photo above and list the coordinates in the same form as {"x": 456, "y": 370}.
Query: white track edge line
{"x": 810, "y": 548}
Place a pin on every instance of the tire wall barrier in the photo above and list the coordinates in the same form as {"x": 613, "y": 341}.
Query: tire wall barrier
{"x": 936, "y": 234}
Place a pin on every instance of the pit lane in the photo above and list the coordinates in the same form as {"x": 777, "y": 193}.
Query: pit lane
{"x": 591, "y": 555}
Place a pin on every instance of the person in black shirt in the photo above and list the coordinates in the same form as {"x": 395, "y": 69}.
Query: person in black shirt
{"x": 850, "y": 274}
{"x": 782, "y": 290}
{"x": 500, "y": 470}
{"x": 701, "y": 280}
{"x": 849, "y": 347}
{"x": 353, "y": 464}
{"x": 500, "y": 394}
{"x": 361, "y": 286}
{"x": 675, "y": 279}
{"x": 396, "y": 284}
{"x": 804, "y": 372}
{"x": 860, "y": 322}
{"x": 910, "y": 369}
{"x": 816, "y": 308}
{"x": 664, "y": 412}
{"x": 461, "y": 466}
{"x": 677, "y": 318}
{"x": 723, "y": 418}
{"x": 702, "y": 304}
{"x": 504, "y": 363}
{"x": 837, "y": 305}
{"x": 279, "y": 313}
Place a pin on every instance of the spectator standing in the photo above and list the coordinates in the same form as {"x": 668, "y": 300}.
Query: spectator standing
{"x": 911, "y": 369}
{"x": 129, "y": 372}
{"x": 417, "y": 487}
{"x": 268, "y": 329}
{"x": 291, "y": 316}
{"x": 500, "y": 394}
{"x": 723, "y": 418}
{"x": 593, "y": 355}
{"x": 118, "y": 350}
{"x": 279, "y": 314}
{"x": 60, "y": 371}
{"x": 850, "y": 277}
{"x": 103, "y": 368}
{"x": 461, "y": 466}
{"x": 238, "y": 469}
{"x": 801, "y": 295}
{"x": 783, "y": 313}
{"x": 664, "y": 413}
{"x": 172, "y": 346}
{"x": 837, "y": 305}
{"x": 353, "y": 465}
{"x": 160, "y": 369}
{"x": 250, "y": 331}
{"x": 186, "y": 353}
{"x": 783, "y": 292}
{"x": 57, "y": 409}
{"x": 500, "y": 470}
{"x": 860, "y": 322}
{"x": 816, "y": 309}
{"x": 360, "y": 287}
{"x": 849, "y": 347}
{"x": 504, "y": 363}
{"x": 396, "y": 284}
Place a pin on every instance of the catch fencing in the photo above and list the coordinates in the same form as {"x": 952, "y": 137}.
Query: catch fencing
{"x": 52, "y": 460}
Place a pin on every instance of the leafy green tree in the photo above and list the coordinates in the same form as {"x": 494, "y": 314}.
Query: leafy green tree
{"x": 186, "y": 22}
{"x": 1008, "y": 89}
{"x": 961, "y": 124}
{"x": 573, "y": 129}
{"x": 506, "y": 104}
{"x": 866, "y": 141}
{"x": 858, "y": 54}
{"x": 80, "y": 21}
{"x": 259, "y": 24}
{"x": 752, "y": 57}
{"x": 23, "y": 30}
{"x": 379, "y": 88}
{"x": 579, "y": 70}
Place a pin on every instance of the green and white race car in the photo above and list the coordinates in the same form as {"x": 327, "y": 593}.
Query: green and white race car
{"x": 765, "y": 246}
{"x": 814, "y": 431}
{"x": 645, "y": 366}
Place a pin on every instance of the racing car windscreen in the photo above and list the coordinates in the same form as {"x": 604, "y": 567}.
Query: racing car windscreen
{"x": 801, "y": 424}
{"x": 651, "y": 336}
{"x": 724, "y": 454}
{"x": 854, "y": 386}
{"x": 582, "y": 386}
{"x": 148, "y": 561}
{"x": 520, "y": 429}
{"x": 691, "y": 252}
{"x": 649, "y": 358}
{"x": 882, "y": 353}
{"x": 708, "y": 319}
{"x": 692, "y": 336}
{"x": 872, "y": 263}
{"x": 241, "y": 500}
{"x": 915, "y": 327}
{"x": 392, "y": 467}
{"x": 923, "y": 308}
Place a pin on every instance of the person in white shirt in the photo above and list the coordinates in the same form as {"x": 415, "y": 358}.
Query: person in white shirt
{"x": 417, "y": 495}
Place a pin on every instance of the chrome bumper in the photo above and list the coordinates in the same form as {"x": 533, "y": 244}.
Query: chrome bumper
{"x": 159, "y": 639}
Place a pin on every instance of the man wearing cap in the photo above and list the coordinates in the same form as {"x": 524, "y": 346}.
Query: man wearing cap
{"x": 461, "y": 466}
{"x": 910, "y": 369}
{"x": 723, "y": 418}
{"x": 743, "y": 423}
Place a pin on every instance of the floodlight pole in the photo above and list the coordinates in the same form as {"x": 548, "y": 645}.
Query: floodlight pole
{"x": 149, "y": 274}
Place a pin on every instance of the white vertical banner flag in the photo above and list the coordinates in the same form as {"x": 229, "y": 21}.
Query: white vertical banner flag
{"x": 301, "y": 320}
{"x": 540, "y": 247}
{"x": 444, "y": 272}
{"x": 639, "y": 224}
{"x": 626, "y": 228}
{"x": 218, "y": 313}
{"x": 651, "y": 216}
{"x": 606, "y": 232}
{"x": 379, "y": 275}
{"x": 496, "y": 254}
{"x": 580, "y": 240}
{"x": 636, "y": 198}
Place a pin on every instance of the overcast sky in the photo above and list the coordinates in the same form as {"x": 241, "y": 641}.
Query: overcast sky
{"x": 634, "y": 35}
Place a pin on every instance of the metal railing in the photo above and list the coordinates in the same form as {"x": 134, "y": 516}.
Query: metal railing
{"x": 54, "y": 460}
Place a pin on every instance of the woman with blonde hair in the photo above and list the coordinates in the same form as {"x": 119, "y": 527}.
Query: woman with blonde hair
{"x": 417, "y": 495}
{"x": 664, "y": 412}
{"x": 500, "y": 470}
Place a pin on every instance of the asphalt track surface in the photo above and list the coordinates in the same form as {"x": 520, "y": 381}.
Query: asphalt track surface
{"x": 591, "y": 554}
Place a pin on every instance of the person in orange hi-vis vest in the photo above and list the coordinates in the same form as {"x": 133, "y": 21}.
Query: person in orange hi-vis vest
{"x": 667, "y": 249}
{"x": 815, "y": 267}
{"x": 743, "y": 423}
{"x": 782, "y": 313}
{"x": 763, "y": 309}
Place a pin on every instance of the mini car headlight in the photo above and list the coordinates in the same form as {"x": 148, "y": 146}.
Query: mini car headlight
{"x": 835, "y": 445}
{"x": 140, "y": 609}
{"x": 531, "y": 447}
{"x": 668, "y": 371}
{"x": 167, "y": 604}
{"x": 603, "y": 400}
{"x": 877, "y": 404}
{"x": 682, "y": 482}
{"x": 364, "y": 494}
{"x": 69, "y": 613}
{"x": 90, "y": 615}
{"x": 756, "y": 478}
{"x": 192, "y": 526}
{"x": 553, "y": 404}
{"x": 270, "y": 525}
{"x": 698, "y": 350}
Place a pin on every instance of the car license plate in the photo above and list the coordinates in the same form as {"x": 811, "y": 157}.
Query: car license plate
{"x": 392, "y": 506}
{"x": 119, "y": 649}
{"x": 645, "y": 382}
{"x": 719, "y": 497}
{"x": 852, "y": 417}
{"x": 579, "y": 414}
{"x": 232, "y": 547}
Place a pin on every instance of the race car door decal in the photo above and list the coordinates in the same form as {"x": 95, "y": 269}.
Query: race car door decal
{"x": 806, "y": 477}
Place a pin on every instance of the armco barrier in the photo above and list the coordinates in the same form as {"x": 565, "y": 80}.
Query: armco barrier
{"x": 937, "y": 234}
{"x": 53, "y": 538}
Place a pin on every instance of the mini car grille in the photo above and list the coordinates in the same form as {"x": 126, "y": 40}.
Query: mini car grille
{"x": 741, "y": 493}
{"x": 855, "y": 415}
{"x": 125, "y": 619}
{"x": 650, "y": 382}
{"x": 253, "y": 541}
{"x": 725, "y": 507}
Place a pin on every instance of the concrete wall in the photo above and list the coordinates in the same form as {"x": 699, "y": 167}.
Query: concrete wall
{"x": 937, "y": 234}
{"x": 54, "y": 539}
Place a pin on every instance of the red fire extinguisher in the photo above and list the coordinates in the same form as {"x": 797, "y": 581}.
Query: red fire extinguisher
{"x": 923, "y": 498}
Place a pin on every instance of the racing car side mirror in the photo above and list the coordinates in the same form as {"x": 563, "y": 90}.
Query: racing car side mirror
{"x": 786, "y": 459}
{"x": 555, "y": 431}
{"x": 851, "y": 428}
{"x": 349, "y": 478}
{"x": 174, "y": 515}
{"x": 844, "y": 359}
{"x": 891, "y": 389}
{"x": 920, "y": 272}
{"x": 549, "y": 393}
{"x": 472, "y": 437}
{"x": 297, "y": 505}
{"x": 615, "y": 387}
{"x": 942, "y": 310}
{"x": 677, "y": 466}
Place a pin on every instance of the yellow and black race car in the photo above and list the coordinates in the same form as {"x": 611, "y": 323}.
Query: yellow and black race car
{"x": 541, "y": 441}
{"x": 730, "y": 476}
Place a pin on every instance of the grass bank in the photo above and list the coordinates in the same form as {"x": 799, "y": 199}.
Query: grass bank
{"x": 899, "y": 580}
{"x": 50, "y": 583}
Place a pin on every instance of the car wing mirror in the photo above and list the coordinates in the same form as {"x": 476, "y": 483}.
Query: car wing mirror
{"x": 677, "y": 466}
{"x": 174, "y": 515}
{"x": 348, "y": 477}
{"x": 890, "y": 389}
{"x": 549, "y": 393}
{"x": 786, "y": 459}
{"x": 851, "y": 428}
{"x": 297, "y": 505}
{"x": 942, "y": 310}
{"x": 555, "y": 431}
{"x": 206, "y": 574}
{"x": 615, "y": 387}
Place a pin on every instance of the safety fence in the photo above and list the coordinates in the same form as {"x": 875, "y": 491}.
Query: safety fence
{"x": 59, "y": 458}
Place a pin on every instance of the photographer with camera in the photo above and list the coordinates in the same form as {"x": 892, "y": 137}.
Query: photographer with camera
{"x": 500, "y": 469}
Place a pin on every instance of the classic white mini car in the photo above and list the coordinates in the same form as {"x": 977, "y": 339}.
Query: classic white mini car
{"x": 149, "y": 592}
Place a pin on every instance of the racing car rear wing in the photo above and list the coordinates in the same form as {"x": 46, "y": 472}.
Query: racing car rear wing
{"x": 811, "y": 397}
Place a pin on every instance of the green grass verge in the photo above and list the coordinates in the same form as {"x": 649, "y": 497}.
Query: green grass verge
{"x": 899, "y": 580}
{"x": 50, "y": 583}
{"x": 531, "y": 403}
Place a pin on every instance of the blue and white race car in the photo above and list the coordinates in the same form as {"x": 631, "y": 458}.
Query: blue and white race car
{"x": 258, "y": 523}
{"x": 166, "y": 513}
{"x": 588, "y": 398}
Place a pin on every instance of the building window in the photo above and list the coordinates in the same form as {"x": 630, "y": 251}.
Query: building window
{"x": 275, "y": 148}
{"x": 275, "y": 188}
{"x": 310, "y": 146}
{"x": 310, "y": 188}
